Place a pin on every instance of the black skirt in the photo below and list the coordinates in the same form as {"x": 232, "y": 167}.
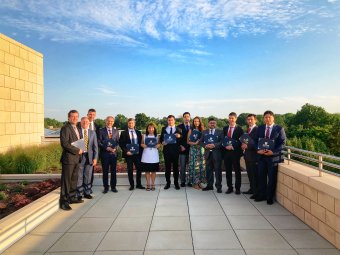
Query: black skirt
{"x": 150, "y": 167}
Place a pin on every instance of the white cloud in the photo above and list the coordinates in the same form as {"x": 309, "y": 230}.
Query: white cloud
{"x": 106, "y": 91}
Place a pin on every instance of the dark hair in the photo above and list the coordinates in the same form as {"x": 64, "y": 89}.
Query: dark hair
{"x": 211, "y": 119}
{"x": 252, "y": 115}
{"x": 154, "y": 126}
{"x": 91, "y": 110}
{"x": 268, "y": 112}
{"x": 200, "y": 127}
{"x": 130, "y": 119}
{"x": 72, "y": 111}
{"x": 186, "y": 113}
{"x": 233, "y": 114}
{"x": 171, "y": 116}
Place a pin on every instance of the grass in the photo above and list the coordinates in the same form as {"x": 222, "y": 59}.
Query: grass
{"x": 28, "y": 160}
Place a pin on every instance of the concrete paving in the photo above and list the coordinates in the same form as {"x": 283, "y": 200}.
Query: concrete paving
{"x": 183, "y": 222}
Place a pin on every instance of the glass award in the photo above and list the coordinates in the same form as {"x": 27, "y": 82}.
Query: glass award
{"x": 110, "y": 143}
{"x": 169, "y": 139}
{"x": 133, "y": 148}
{"x": 150, "y": 142}
{"x": 209, "y": 139}
{"x": 246, "y": 139}
{"x": 228, "y": 141}
{"x": 265, "y": 144}
{"x": 195, "y": 135}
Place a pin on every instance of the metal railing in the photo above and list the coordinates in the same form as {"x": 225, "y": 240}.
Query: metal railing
{"x": 294, "y": 154}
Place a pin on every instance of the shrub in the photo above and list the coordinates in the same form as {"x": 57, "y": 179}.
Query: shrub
{"x": 3, "y": 187}
{"x": 3, "y": 196}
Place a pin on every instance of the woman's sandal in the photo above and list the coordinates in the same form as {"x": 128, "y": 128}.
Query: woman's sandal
{"x": 153, "y": 187}
{"x": 147, "y": 188}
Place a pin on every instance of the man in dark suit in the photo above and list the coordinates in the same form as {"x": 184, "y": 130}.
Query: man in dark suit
{"x": 88, "y": 159}
{"x": 171, "y": 151}
{"x": 184, "y": 147}
{"x": 132, "y": 136}
{"x": 232, "y": 154}
{"x": 108, "y": 142}
{"x": 212, "y": 155}
{"x": 70, "y": 158}
{"x": 250, "y": 155}
{"x": 269, "y": 160}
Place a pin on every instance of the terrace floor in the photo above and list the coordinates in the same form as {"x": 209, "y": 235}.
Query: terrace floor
{"x": 183, "y": 222}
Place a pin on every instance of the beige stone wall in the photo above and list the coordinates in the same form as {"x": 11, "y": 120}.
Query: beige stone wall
{"x": 315, "y": 200}
{"x": 21, "y": 94}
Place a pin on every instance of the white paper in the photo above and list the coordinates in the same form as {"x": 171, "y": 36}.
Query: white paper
{"x": 80, "y": 144}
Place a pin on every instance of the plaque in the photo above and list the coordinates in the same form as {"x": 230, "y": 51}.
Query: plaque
{"x": 169, "y": 139}
{"x": 150, "y": 142}
{"x": 209, "y": 139}
{"x": 228, "y": 141}
{"x": 195, "y": 135}
{"x": 109, "y": 143}
{"x": 265, "y": 144}
{"x": 246, "y": 139}
{"x": 133, "y": 148}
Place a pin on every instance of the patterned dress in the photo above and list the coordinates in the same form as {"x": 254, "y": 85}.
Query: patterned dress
{"x": 196, "y": 165}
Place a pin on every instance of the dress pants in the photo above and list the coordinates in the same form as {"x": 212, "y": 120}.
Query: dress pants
{"x": 213, "y": 165}
{"x": 109, "y": 163}
{"x": 266, "y": 167}
{"x": 84, "y": 176}
{"x": 171, "y": 159}
{"x": 183, "y": 160}
{"x": 130, "y": 161}
{"x": 232, "y": 162}
{"x": 251, "y": 167}
{"x": 69, "y": 178}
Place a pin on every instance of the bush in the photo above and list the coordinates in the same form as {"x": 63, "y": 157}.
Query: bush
{"x": 3, "y": 196}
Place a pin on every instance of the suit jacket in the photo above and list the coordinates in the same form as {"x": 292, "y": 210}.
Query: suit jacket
{"x": 250, "y": 154}
{"x": 103, "y": 136}
{"x": 279, "y": 136}
{"x": 96, "y": 128}
{"x": 183, "y": 139}
{"x": 216, "y": 152}
{"x": 238, "y": 131}
{"x": 124, "y": 139}
{"x": 70, "y": 154}
{"x": 92, "y": 150}
{"x": 170, "y": 148}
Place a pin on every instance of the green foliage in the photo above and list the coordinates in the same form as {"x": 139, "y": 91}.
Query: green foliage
{"x": 310, "y": 116}
{"x": 3, "y": 187}
{"x": 48, "y": 122}
{"x": 3, "y": 196}
{"x": 309, "y": 144}
{"x": 141, "y": 121}
{"x": 121, "y": 121}
{"x": 100, "y": 122}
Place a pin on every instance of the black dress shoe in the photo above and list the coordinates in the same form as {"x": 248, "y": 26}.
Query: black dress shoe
{"x": 237, "y": 192}
{"x": 140, "y": 187}
{"x": 189, "y": 185}
{"x": 167, "y": 186}
{"x": 252, "y": 197}
{"x": 76, "y": 200}
{"x": 207, "y": 188}
{"x": 270, "y": 201}
{"x": 177, "y": 186}
{"x": 114, "y": 190}
{"x": 183, "y": 184}
{"x": 88, "y": 196}
{"x": 65, "y": 207}
{"x": 248, "y": 192}
{"x": 105, "y": 190}
{"x": 229, "y": 190}
{"x": 259, "y": 199}
{"x": 219, "y": 190}
{"x": 131, "y": 188}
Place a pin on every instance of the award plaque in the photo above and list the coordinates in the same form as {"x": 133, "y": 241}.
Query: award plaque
{"x": 209, "y": 139}
{"x": 80, "y": 144}
{"x": 133, "y": 148}
{"x": 246, "y": 139}
{"x": 265, "y": 144}
{"x": 228, "y": 141}
{"x": 150, "y": 142}
{"x": 169, "y": 139}
{"x": 195, "y": 135}
{"x": 110, "y": 143}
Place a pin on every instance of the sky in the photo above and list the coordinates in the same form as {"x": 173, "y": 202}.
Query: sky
{"x": 161, "y": 57}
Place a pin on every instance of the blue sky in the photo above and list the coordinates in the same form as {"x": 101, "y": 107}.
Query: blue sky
{"x": 166, "y": 57}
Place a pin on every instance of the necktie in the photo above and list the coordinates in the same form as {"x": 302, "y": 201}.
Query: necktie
{"x": 110, "y": 133}
{"x": 86, "y": 139}
{"x": 170, "y": 130}
{"x": 132, "y": 137}
{"x": 187, "y": 127}
{"x": 77, "y": 132}
{"x": 249, "y": 129}
{"x": 267, "y": 132}
{"x": 91, "y": 126}
{"x": 211, "y": 131}
{"x": 229, "y": 132}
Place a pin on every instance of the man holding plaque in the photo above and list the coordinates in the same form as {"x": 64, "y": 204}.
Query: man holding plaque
{"x": 108, "y": 142}
{"x": 70, "y": 159}
{"x": 184, "y": 147}
{"x": 250, "y": 153}
{"x": 270, "y": 140}
{"x": 211, "y": 142}
{"x": 169, "y": 137}
{"x": 130, "y": 143}
{"x": 232, "y": 152}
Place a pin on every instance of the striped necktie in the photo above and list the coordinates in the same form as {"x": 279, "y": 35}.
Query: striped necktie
{"x": 86, "y": 139}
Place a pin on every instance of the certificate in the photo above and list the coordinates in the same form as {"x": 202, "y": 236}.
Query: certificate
{"x": 109, "y": 143}
{"x": 228, "y": 141}
{"x": 150, "y": 142}
{"x": 195, "y": 135}
{"x": 133, "y": 148}
{"x": 80, "y": 144}
{"x": 209, "y": 139}
{"x": 246, "y": 139}
{"x": 169, "y": 139}
{"x": 265, "y": 144}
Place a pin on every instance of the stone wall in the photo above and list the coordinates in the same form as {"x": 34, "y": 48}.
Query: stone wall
{"x": 21, "y": 94}
{"x": 313, "y": 199}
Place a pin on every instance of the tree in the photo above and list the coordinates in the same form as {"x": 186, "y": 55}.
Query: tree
{"x": 141, "y": 121}
{"x": 48, "y": 122}
{"x": 100, "y": 122}
{"x": 310, "y": 116}
{"x": 334, "y": 139}
{"x": 121, "y": 121}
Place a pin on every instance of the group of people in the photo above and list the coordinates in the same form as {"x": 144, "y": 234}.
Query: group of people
{"x": 192, "y": 152}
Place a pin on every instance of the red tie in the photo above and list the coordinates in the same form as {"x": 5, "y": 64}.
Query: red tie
{"x": 267, "y": 132}
{"x": 249, "y": 129}
{"x": 229, "y": 132}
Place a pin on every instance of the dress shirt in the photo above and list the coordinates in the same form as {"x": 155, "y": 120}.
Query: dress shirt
{"x": 270, "y": 130}
{"x": 173, "y": 129}
{"x": 232, "y": 130}
{"x": 211, "y": 131}
{"x": 134, "y": 135}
